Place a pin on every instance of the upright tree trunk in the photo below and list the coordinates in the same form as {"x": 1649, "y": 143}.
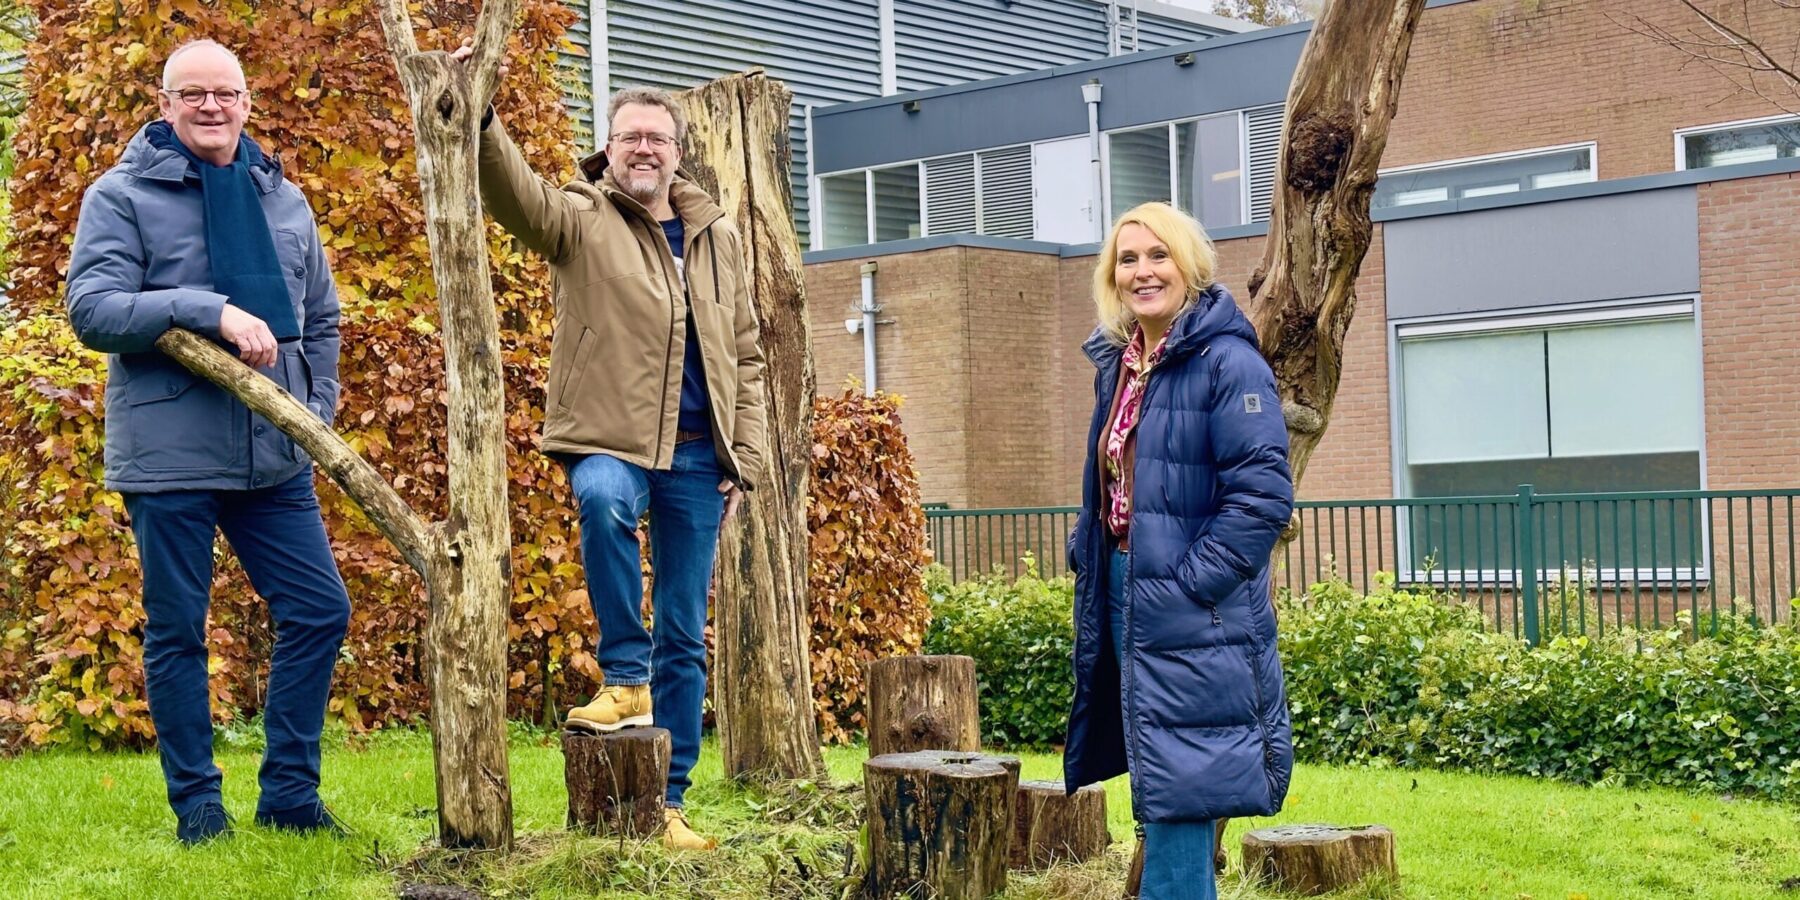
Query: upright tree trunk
{"x": 738, "y": 151}
{"x": 1339, "y": 107}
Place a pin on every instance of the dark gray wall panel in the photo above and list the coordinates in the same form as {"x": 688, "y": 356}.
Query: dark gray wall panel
{"x": 1228, "y": 73}
{"x": 1595, "y": 248}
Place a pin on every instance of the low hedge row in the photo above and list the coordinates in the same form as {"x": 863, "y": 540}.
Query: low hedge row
{"x": 1410, "y": 679}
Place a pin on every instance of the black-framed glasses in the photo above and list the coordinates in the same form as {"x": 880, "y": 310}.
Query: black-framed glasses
{"x": 657, "y": 139}
{"x": 195, "y": 96}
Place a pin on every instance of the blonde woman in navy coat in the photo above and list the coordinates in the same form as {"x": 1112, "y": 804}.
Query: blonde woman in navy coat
{"x": 1177, "y": 680}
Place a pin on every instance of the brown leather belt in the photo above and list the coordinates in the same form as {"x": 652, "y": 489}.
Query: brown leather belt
{"x": 682, "y": 437}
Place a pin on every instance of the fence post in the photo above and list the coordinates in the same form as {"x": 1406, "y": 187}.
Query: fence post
{"x": 1528, "y": 567}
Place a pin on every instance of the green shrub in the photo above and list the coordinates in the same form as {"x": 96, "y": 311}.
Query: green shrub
{"x": 1022, "y": 636}
{"x": 1398, "y": 678}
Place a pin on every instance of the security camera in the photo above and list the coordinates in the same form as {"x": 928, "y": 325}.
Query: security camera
{"x": 853, "y": 325}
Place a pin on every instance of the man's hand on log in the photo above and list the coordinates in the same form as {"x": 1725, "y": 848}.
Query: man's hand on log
{"x": 256, "y": 344}
{"x": 462, "y": 54}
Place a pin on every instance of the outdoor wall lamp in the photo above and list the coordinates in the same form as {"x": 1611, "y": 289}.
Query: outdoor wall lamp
{"x": 1185, "y": 59}
{"x": 911, "y": 106}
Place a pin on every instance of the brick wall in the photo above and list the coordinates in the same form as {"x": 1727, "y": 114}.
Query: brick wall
{"x": 972, "y": 348}
{"x": 1749, "y": 315}
{"x": 1502, "y": 75}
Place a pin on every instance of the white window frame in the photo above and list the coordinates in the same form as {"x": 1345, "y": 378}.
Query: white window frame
{"x": 1642, "y": 309}
{"x": 1444, "y": 164}
{"x": 1243, "y": 130}
{"x": 1681, "y": 134}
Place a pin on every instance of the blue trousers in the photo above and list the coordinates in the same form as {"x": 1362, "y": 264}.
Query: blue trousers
{"x": 685, "y": 506}
{"x": 1178, "y": 856}
{"x": 279, "y": 537}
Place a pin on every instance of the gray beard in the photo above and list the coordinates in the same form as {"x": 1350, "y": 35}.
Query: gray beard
{"x": 645, "y": 193}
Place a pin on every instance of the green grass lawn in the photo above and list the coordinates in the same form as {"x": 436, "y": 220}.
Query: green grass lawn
{"x": 96, "y": 826}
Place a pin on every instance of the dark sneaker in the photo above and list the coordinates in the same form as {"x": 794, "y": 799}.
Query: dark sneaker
{"x": 306, "y": 818}
{"x": 202, "y": 823}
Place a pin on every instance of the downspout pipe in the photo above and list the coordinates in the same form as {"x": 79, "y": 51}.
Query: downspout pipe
{"x": 1090, "y": 94}
{"x": 868, "y": 310}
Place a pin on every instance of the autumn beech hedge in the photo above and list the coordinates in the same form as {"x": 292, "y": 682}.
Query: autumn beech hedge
{"x": 868, "y": 553}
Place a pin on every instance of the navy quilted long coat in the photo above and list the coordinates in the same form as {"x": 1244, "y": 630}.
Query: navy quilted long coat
{"x": 1197, "y": 711}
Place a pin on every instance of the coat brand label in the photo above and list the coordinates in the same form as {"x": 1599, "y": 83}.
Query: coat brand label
{"x": 1252, "y": 403}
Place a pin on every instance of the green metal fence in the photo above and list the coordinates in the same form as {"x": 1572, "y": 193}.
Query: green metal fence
{"x": 1599, "y": 561}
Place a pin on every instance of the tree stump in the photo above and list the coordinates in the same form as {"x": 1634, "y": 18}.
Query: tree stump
{"x": 940, "y": 824}
{"x": 922, "y": 703}
{"x": 1050, "y": 825}
{"x": 617, "y": 781}
{"x": 1316, "y": 859}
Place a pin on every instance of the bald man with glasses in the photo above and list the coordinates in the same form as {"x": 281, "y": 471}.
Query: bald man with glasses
{"x": 197, "y": 228}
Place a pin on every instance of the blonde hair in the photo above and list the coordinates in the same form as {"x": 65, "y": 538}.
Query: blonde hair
{"x": 1189, "y": 248}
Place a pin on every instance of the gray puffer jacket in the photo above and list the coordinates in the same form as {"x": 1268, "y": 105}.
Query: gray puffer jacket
{"x": 140, "y": 267}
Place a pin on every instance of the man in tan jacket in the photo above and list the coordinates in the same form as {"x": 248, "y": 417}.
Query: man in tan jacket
{"x": 655, "y": 400}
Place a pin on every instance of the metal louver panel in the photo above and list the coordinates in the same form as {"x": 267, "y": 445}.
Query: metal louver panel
{"x": 826, "y": 52}
{"x": 940, "y": 42}
{"x": 950, "y": 195}
{"x": 1263, "y": 128}
{"x": 574, "y": 73}
{"x": 1006, "y": 192}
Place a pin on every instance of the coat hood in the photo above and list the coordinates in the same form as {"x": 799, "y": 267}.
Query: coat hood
{"x": 1215, "y": 314}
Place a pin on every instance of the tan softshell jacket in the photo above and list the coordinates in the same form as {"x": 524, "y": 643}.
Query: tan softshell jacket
{"x": 615, "y": 357}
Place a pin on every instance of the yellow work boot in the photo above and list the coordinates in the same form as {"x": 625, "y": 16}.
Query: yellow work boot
{"x": 616, "y": 706}
{"x": 678, "y": 836}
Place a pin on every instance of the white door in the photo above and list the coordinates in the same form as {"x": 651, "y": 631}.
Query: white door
{"x": 1062, "y": 192}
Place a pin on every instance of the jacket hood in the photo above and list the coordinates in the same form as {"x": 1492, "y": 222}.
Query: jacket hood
{"x": 148, "y": 156}
{"x": 695, "y": 207}
{"x": 1215, "y": 314}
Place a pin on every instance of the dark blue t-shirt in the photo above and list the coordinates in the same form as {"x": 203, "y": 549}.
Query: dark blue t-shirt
{"x": 696, "y": 409}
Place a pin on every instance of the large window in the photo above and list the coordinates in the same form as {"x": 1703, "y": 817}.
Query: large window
{"x": 1485, "y": 176}
{"x": 871, "y": 205}
{"x": 1196, "y": 164}
{"x": 1738, "y": 142}
{"x": 1586, "y": 402}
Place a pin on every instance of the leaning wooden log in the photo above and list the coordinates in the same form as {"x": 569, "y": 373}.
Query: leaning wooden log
{"x": 617, "y": 781}
{"x": 940, "y": 824}
{"x": 1051, "y": 825}
{"x": 1134, "y": 874}
{"x": 1318, "y": 859}
{"x": 922, "y": 703}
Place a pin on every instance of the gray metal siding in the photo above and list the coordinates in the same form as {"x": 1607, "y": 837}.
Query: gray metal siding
{"x": 1154, "y": 32}
{"x": 942, "y": 42}
{"x": 1643, "y": 244}
{"x": 826, "y": 52}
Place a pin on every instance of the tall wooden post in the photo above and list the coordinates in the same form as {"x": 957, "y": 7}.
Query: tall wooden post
{"x": 738, "y": 151}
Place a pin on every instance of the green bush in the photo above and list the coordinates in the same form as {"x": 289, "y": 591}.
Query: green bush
{"x": 1022, "y": 636}
{"x": 1398, "y": 678}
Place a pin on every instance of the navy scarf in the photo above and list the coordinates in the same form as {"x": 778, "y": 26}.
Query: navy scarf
{"x": 244, "y": 265}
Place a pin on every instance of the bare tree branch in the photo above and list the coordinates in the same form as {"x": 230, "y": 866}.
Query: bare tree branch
{"x": 1729, "y": 51}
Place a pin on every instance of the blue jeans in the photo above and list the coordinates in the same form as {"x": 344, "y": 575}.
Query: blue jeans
{"x": 279, "y": 537}
{"x": 1178, "y": 856}
{"x": 684, "y": 505}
